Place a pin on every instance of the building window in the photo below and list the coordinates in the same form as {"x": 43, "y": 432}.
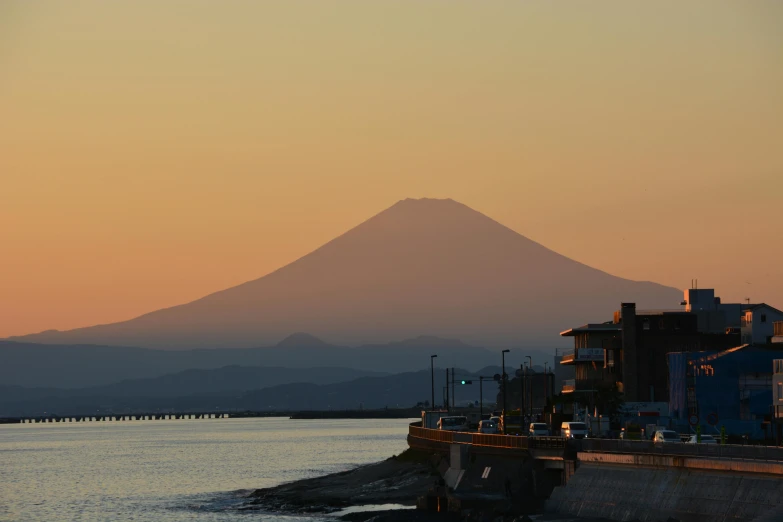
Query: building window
{"x": 780, "y": 391}
{"x": 763, "y": 318}
{"x": 646, "y": 324}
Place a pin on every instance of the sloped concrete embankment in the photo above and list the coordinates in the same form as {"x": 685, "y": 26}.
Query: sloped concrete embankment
{"x": 625, "y": 493}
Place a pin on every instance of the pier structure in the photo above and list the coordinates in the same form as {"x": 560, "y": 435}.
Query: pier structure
{"x": 123, "y": 418}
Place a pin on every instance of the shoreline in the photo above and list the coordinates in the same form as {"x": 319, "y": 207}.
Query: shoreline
{"x": 399, "y": 480}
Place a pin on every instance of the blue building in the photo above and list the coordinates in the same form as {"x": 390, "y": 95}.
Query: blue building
{"x": 730, "y": 388}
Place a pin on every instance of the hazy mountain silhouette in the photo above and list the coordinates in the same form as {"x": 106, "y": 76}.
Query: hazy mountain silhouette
{"x": 433, "y": 267}
{"x": 399, "y": 390}
{"x": 64, "y": 366}
{"x": 229, "y": 379}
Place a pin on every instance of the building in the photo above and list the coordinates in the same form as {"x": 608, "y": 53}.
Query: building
{"x": 713, "y": 316}
{"x": 629, "y": 352}
{"x": 777, "y": 398}
{"x": 729, "y": 388}
{"x": 757, "y": 324}
{"x": 777, "y": 332}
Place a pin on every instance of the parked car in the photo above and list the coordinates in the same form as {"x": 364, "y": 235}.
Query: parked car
{"x": 705, "y": 439}
{"x": 573, "y": 430}
{"x": 538, "y": 429}
{"x": 487, "y": 426}
{"x": 453, "y": 424}
{"x": 666, "y": 436}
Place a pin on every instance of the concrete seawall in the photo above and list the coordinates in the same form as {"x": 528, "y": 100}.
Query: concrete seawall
{"x": 625, "y": 491}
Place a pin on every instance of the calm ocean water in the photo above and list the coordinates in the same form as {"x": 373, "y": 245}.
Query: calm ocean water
{"x": 175, "y": 470}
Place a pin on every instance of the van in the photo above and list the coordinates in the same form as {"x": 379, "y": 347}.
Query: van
{"x": 453, "y": 424}
{"x": 573, "y": 430}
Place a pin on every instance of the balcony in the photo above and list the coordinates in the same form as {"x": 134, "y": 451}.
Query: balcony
{"x": 568, "y": 357}
{"x": 569, "y": 386}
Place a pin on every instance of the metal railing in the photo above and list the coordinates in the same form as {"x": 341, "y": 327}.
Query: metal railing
{"x": 499, "y": 441}
{"x": 569, "y": 386}
{"x": 568, "y": 358}
{"x": 547, "y": 443}
{"x": 436, "y": 435}
{"x": 476, "y": 439}
{"x": 728, "y": 451}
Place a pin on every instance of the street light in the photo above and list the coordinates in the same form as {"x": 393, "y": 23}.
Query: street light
{"x": 530, "y": 365}
{"x": 432, "y": 381}
{"x": 503, "y": 382}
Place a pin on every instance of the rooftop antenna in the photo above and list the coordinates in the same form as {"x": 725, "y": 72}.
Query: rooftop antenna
{"x": 747, "y": 299}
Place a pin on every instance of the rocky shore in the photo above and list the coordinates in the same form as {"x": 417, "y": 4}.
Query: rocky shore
{"x": 397, "y": 480}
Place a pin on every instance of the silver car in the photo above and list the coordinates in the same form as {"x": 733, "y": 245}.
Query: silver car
{"x": 705, "y": 439}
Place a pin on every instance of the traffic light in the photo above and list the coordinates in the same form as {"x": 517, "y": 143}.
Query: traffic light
{"x": 466, "y": 382}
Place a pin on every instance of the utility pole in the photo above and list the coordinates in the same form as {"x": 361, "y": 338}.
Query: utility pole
{"x": 522, "y": 397}
{"x": 503, "y": 379}
{"x": 432, "y": 381}
{"x": 530, "y": 364}
{"x": 481, "y": 397}
{"x": 546, "y": 385}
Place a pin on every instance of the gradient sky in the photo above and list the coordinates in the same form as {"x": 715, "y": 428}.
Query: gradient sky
{"x": 152, "y": 152}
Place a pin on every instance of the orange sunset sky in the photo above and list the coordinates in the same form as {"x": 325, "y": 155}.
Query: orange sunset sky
{"x": 152, "y": 152}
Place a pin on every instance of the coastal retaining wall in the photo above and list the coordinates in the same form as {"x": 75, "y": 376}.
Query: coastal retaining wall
{"x": 648, "y": 494}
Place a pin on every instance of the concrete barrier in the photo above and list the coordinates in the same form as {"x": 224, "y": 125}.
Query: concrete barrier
{"x": 625, "y": 492}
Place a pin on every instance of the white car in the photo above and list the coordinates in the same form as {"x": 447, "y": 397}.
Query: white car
{"x": 487, "y": 426}
{"x": 538, "y": 429}
{"x": 666, "y": 436}
{"x": 453, "y": 424}
{"x": 705, "y": 439}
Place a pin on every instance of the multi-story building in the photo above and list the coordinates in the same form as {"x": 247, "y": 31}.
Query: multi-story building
{"x": 731, "y": 388}
{"x": 713, "y": 315}
{"x": 630, "y": 351}
{"x": 757, "y": 323}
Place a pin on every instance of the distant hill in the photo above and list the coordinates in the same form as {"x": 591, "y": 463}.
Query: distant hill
{"x": 421, "y": 267}
{"x": 62, "y": 366}
{"x": 180, "y": 392}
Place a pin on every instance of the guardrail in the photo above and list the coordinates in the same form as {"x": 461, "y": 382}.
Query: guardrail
{"x": 727, "y": 451}
{"x": 547, "y": 442}
{"x": 461, "y": 437}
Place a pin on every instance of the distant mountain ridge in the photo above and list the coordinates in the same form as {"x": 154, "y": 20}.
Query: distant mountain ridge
{"x": 372, "y": 391}
{"x": 79, "y": 366}
{"x": 420, "y": 267}
{"x": 219, "y": 381}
